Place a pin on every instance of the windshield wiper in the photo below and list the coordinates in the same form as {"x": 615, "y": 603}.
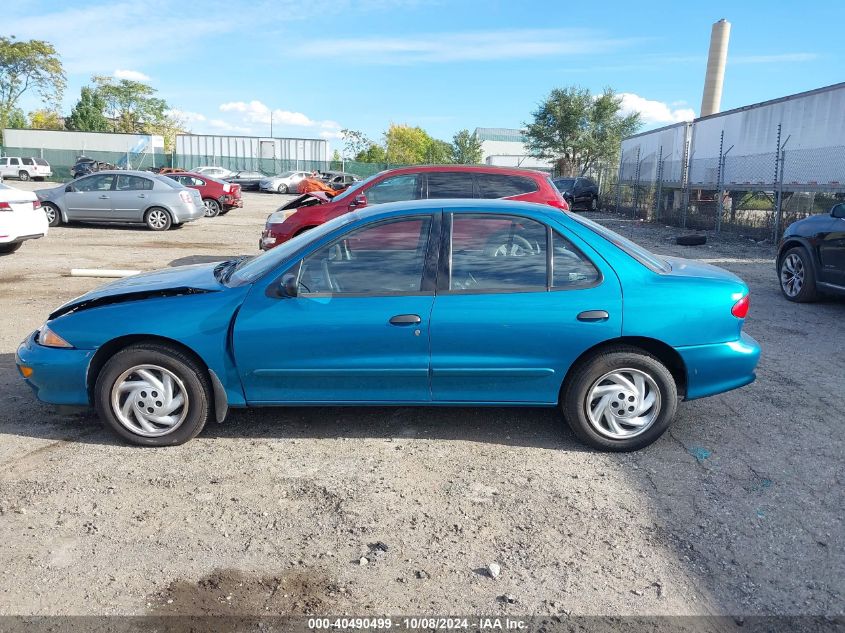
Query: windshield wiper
{"x": 224, "y": 270}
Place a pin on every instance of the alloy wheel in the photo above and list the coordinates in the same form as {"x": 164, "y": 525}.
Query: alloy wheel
{"x": 157, "y": 218}
{"x": 623, "y": 403}
{"x": 50, "y": 212}
{"x": 792, "y": 274}
{"x": 149, "y": 400}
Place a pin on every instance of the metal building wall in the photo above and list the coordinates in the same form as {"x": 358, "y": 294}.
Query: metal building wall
{"x": 643, "y": 154}
{"x": 249, "y": 152}
{"x": 82, "y": 142}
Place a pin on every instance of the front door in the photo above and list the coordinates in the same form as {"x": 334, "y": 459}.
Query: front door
{"x": 832, "y": 249}
{"x": 509, "y": 320}
{"x": 90, "y": 198}
{"x": 357, "y": 329}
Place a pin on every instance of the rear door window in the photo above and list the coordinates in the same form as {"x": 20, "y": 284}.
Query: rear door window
{"x": 133, "y": 183}
{"x": 27, "y": 161}
{"x": 504, "y": 185}
{"x": 455, "y": 184}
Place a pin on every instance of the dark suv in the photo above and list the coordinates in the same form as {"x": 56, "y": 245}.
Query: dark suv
{"x": 410, "y": 183}
{"x": 811, "y": 257}
{"x": 581, "y": 192}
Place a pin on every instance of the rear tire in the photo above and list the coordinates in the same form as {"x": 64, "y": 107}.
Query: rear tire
{"x": 212, "y": 207}
{"x": 283, "y": 188}
{"x": 23, "y": 175}
{"x": 6, "y": 249}
{"x": 797, "y": 276}
{"x": 621, "y": 399}
{"x": 158, "y": 219}
{"x": 54, "y": 216}
{"x": 153, "y": 395}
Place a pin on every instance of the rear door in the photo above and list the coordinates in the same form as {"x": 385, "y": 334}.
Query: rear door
{"x": 4, "y": 167}
{"x": 517, "y": 302}
{"x": 130, "y": 198}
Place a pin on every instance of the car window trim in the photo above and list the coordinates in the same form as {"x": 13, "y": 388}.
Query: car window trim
{"x": 427, "y": 280}
{"x": 444, "y": 271}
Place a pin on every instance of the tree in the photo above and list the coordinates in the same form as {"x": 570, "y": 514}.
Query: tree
{"x": 87, "y": 115}
{"x": 374, "y": 153}
{"x": 131, "y": 105}
{"x": 17, "y": 119}
{"x": 408, "y": 145}
{"x": 466, "y": 149}
{"x": 576, "y": 129}
{"x": 28, "y": 65}
{"x": 354, "y": 142}
{"x": 44, "y": 119}
{"x": 439, "y": 152}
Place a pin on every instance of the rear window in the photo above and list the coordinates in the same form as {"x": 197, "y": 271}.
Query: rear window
{"x": 445, "y": 184}
{"x": 504, "y": 185}
{"x": 643, "y": 256}
{"x": 169, "y": 181}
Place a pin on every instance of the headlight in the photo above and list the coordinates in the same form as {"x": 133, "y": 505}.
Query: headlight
{"x": 277, "y": 217}
{"x": 48, "y": 338}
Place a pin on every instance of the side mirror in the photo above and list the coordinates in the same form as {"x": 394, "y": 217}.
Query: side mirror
{"x": 69, "y": 188}
{"x": 358, "y": 201}
{"x": 289, "y": 287}
{"x": 838, "y": 211}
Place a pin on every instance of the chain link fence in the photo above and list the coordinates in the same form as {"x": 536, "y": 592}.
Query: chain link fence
{"x": 755, "y": 195}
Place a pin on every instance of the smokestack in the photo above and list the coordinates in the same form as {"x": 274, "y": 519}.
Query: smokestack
{"x": 711, "y": 101}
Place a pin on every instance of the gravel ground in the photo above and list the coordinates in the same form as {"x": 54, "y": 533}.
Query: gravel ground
{"x": 402, "y": 510}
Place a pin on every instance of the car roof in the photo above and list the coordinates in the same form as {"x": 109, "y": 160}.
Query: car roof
{"x": 482, "y": 169}
{"x": 486, "y": 205}
{"x": 130, "y": 172}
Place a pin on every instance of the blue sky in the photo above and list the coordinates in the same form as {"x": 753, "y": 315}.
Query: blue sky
{"x": 444, "y": 66}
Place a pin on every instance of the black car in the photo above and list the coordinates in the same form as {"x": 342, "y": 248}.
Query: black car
{"x": 246, "y": 179}
{"x": 85, "y": 166}
{"x": 581, "y": 192}
{"x": 338, "y": 179}
{"x": 811, "y": 257}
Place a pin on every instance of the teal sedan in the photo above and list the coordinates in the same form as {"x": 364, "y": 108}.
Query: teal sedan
{"x": 429, "y": 303}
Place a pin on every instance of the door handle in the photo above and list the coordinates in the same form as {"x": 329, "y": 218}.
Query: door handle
{"x": 104, "y": 197}
{"x": 405, "y": 319}
{"x": 142, "y": 195}
{"x": 591, "y": 316}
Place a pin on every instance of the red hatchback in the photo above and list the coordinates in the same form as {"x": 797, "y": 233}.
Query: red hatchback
{"x": 218, "y": 197}
{"x": 410, "y": 183}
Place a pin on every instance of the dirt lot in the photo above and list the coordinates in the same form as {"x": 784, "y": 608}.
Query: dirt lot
{"x": 389, "y": 511}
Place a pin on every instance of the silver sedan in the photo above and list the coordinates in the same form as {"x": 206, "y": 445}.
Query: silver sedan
{"x": 282, "y": 183}
{"x": 123, "y": 197}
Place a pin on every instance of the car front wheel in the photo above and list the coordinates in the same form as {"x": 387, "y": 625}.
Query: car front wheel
{"x": 282, "y": 188}
{"x": 153, "y": 395}
{"x": 158, "y": 219}
{"x": 54, "y": 218}
{"x": 621, "y": 399}
{"x": 797, "y": 281}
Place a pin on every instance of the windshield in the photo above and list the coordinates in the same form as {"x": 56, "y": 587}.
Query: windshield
{"x": 250, "y": 270}
{"x": 356, "y": 187}
{"x": 645, "y": 257}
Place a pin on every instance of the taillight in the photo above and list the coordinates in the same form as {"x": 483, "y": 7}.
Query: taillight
{"x": 187, "y": 198}
{"x": 5, "y": 206}
{"x": 740, "y": 309}
{"x": 227, "y": 188}
{"x": 559, "y": 203}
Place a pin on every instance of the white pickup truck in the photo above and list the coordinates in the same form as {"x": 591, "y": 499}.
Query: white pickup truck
{"x": 26, "y": 168}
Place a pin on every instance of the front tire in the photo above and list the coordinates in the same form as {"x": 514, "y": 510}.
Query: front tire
{"x": 797, "y": 279}
{"x": 212, "y": 207}
{"x": 153, "y": 395}
{"x": 621, "y": 399}
{"x": 54, "y": 217}
{"x": 23, "y": 175}
{"x": 282, "y": 188}
{"x": 158, "y": 219}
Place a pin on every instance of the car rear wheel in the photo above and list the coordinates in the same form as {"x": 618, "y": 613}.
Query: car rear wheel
{"x": 282, "y": 188}
{"x": 621, "y": 399}
{"x": 23, "y": 175}
{"x": 797, "y": 281}
{"x": 5, "y": 249}
{"x": 153, "y": 395}
{"x": 212, "y": 207}
{"x": 54, "y": 218}
{"x": 158, "y": 219}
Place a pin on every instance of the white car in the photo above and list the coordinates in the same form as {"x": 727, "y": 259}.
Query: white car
{"x": 26, "y": 168}
{"x": 214, "y": 172}
{"x": 21, "y": 218}
{"x": 282, "y": 183}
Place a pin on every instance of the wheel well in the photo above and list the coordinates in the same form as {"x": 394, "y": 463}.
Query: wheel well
{"x": 107, "y": 350}
{"x": 792, "y": 243}
{"x": 303, "y": 229}
{"x": 660, "y": 350}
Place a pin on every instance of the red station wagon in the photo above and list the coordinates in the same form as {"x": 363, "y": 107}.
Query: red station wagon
{"x": 410, "y": 183}
{"x": 218, "y": 197}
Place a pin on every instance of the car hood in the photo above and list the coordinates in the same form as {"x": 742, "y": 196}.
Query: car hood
{"x": 693, "y": 268}
{"x": 169, "y": 282}
{"x": 44, "y": 194}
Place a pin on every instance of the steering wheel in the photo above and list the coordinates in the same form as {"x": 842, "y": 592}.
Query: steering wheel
{"x": 510, "y": 246}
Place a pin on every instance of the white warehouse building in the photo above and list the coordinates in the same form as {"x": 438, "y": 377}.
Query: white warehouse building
{"x": 505, "y": 147}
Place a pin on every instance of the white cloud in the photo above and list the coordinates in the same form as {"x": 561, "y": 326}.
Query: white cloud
{"x": 258, "y": 112}
{"x": 187, "y": 117}
{"x": 225, "y": 126}
{"x": 131, "y": 75}
{"x": 464, "y": 46}
{"x": 330, "y": 135}
{"x": 654, "y": 111}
